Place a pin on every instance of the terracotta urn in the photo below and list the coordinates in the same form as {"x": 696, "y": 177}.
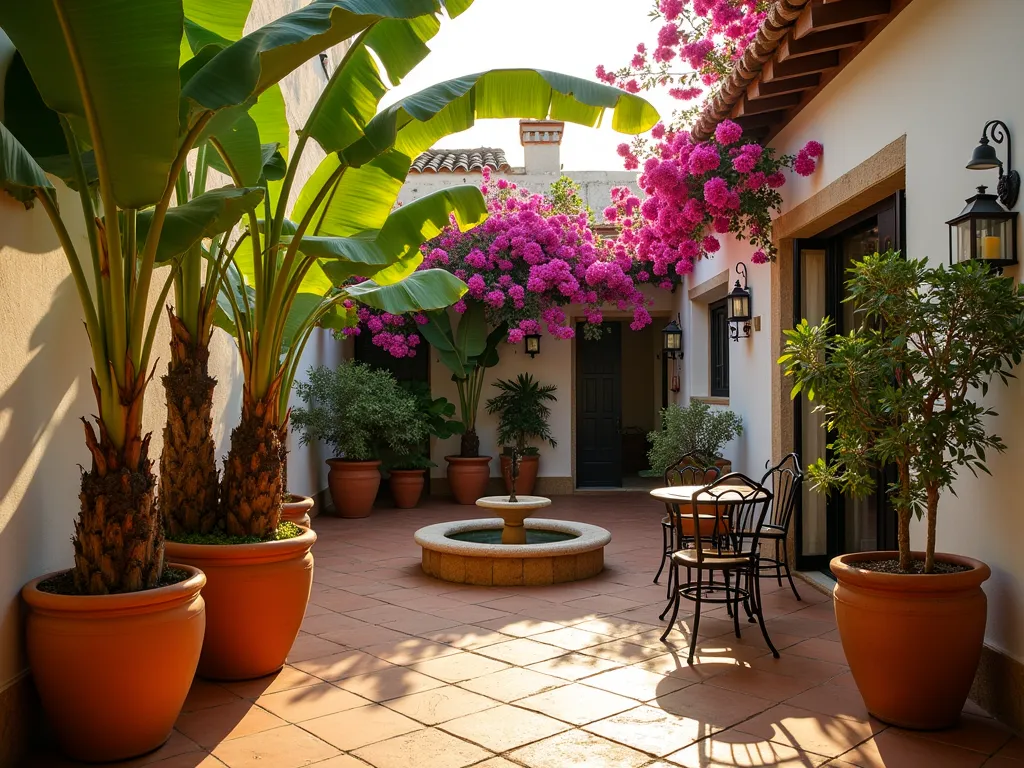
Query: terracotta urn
{"x": 527, "y": 479}
{"x": 407, "y": 486}
{"x": 353, "y": 486}
{"x": 468, "y": 477}
{"x": 296, "y": 509}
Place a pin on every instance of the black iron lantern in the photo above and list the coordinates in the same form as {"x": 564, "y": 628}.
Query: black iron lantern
{"x": 672, "y": 340}
{"x": 738, "y": 302}
{"x": 985, "y": 158}
{"x": 984, "y": 230}
{"x": 531, "y": 342}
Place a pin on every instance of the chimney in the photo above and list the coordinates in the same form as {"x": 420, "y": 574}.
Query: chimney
{"x": 541, "y": 140}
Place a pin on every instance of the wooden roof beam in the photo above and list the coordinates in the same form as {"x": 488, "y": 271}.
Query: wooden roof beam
{"x": 760, "y": 120}
{"x": 830, "y": 40}
{"x": 760, "y": 89}
{"x": 842, "y": 13}
{"x": 802, "y": 65}
{"x": 748, "y": 106}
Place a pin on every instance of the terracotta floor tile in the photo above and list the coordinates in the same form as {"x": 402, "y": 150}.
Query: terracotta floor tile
{"x": 836, "y": 700}
{"x": 651, "y": 730}
{"x": 284, "y": 679}
{"x": 574, "y": 666}
{"x": 636, "y": 683}
{"x": 190, "y": 760}
{"x": 890, "y": 749}
{"x": 811, "y": 670}
{"x": 561, "y": 614}
{"x": 469, "y": 614}
{"x": 1013, "y": 749}
{"x": 516, "y": 603}
{"x": 572, "y": 638}
{"x": 646, "y": 614}
{"x": 459, "y": 666}
{"x": 982, "y": 734}
{"x": 739, "y": 750}
{"x": 1002, "y": 762}
{"x": 623, "y": 651}
{"x": 389, "y": 684}
{"x": 467, "y": 637}
{"x": 439, "y": 705}
{"x": 799, "y": 625}
{"x": 757, "y": 682}
{"x": 383, "y": 614}
{"x": 422, "y": 622}
{"x": 209, "y": 727}
{"x": 578, "y": 748}
{"x": 504, "y": 728}
{"x": 363, "y": 635}
{"x": 475, "y": 595}
{"x": 577, "y": 704}
{"x": 341, "y": 665}
{"x": 821, "y": 649}
{"x": 341, "y": 761}
{"x": 301, "y": 704}
{"x": 517, "y": 626}
{"x": 715, "y": 706}
{"x": 355, "y": 728}
{"x": 429, "y": 748}
{"x": 604, "y": 604}
{"x": 329, "y": 621}
{"x": 344, "y": 602}
{"x": 311, "y": 647}
{"x": 285, "y": 747}
{"x": 522, "y": 651}
{"x": 613, "y": 626}
{"x": 409, "y": 650}
{"x": 811, "y": 731}
{"x": 204, "y": 694}
{"x": 513, "y": 683}
{"x": 498, "y": 762}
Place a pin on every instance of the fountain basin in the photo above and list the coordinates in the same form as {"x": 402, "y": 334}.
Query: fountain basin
{"x": 472, "y": 562}
{"x": 514, "y": 514}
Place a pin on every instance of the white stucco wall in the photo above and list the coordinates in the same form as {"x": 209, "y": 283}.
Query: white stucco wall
{"x": 45, "y": 389}
{"x": 935, "y": 75}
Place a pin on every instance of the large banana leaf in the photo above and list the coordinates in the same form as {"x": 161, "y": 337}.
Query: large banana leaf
{"x": 424, "y": 290}
{"x": 124, "y": 80}
{"x": 441, "y": 338}
{"x": 204, "y": 216}
{"x": 20, "y": 175}
{"x": 471, "y": 335}
{"x": 210, "y": 19}
{"x": 241, "y": 145}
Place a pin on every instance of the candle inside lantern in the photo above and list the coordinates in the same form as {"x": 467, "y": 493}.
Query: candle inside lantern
{"x": 992, "y": 248}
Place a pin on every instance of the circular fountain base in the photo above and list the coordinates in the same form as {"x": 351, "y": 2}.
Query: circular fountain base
{"x": 448, "y": 555}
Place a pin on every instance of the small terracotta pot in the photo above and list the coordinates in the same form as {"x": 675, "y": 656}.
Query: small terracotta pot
{"x": 113, "y": 670}
{"x": 889, "y": 624}
{"x": 256, "y": 596}
{"x": 353, "y": 485}
{"x": 468, "y": 477}
{"x": 724, "y": 466}
{"x": 527, "y": 473}
{"x": 297, "y": 511}
{"x": 407, "y": 487}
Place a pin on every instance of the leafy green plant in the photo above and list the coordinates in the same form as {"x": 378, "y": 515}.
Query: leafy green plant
{"x": 523, "y": 412}
{"x": 697, "y": 427}
{"x": 436, "y": 414}
{"x": 358, "y": 410}
{"x": 902, "y": 388}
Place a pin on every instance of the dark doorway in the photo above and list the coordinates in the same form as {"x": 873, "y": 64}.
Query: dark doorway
{"x": 402, "y": 368}
{"x": 599, "y": 408}
{"x": 839, "y": 523}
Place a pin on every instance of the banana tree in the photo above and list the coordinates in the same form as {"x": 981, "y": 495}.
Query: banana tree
{"x": 110, "y": 113}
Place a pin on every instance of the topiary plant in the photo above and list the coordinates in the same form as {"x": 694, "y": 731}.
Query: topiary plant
{"x": 523, "y": 412}
{"x": 696, "y": 427}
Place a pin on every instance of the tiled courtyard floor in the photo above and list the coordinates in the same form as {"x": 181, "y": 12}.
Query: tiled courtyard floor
{"x": 394, "y": 669}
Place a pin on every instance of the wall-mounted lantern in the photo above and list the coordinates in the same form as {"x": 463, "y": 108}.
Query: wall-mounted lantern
{"x": 739, "y": 305}
{"x": 985, "y": 159}
{"x": 984, "y": 230}
{"x": 672, "y": 340}
{"x": 531, "y": 342}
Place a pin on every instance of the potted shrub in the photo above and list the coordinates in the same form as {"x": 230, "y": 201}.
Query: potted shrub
{"x": 697, "y": 427}
{"x": 359, "y": 411}
{"x": 904, "y": 389}
{"x": 522, "y": 409}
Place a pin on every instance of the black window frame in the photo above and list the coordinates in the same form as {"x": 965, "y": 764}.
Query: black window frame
{"x": 718, "y": 342}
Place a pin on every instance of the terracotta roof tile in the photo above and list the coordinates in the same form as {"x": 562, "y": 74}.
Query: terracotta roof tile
{"x": 458, "y": 160}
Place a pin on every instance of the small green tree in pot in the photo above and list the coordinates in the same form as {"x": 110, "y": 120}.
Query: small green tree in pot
{"x": 359, "y": 411}
{"x": 523, "y": 413}
{"x": 697, "y": 427}
{"x": 903, "y": 390}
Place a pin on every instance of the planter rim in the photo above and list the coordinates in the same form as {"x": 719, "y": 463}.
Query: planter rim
{"x": 245, "y": 554}
{"x": 845, "y": 569}
{"x": 353, "y": 462}
{"x": 99, "y": 606}
{"x": 468, "y": 459}
{"x": 303, "y": 502}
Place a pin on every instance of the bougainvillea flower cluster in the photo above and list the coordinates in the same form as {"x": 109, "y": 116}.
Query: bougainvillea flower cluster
{"x": 698, "y": 191}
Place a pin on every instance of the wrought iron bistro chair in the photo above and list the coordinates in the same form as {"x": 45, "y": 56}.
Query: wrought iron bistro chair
{"x": 739, "y": 506}
{"x": 687, "y": 470}
{"x": 785, "y": 480}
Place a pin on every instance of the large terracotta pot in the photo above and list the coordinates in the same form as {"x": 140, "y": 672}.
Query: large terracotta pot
{"x": 468, "y": 477}
{"x": 353, "y": 486}
{"x": 297, "y": 509}
{"x": 912, "y": 641}
{"x": 256, "y": 596}
{"x": 527, "y": 473}
{"x": 407, "y": 487}
{"x": 113, "y": 671}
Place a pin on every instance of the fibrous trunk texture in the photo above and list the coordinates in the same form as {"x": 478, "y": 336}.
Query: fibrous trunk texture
{"x": 252, "y": 490}
{"x": 119, "y": 534}
{"x": 188, "y": 464}
{"x": 469, "y": 446}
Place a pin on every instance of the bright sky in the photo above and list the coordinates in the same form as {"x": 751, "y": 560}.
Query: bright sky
{"x": 569, "y": 36}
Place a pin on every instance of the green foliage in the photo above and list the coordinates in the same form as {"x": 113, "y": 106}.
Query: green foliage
{"x": 565, "y": 198}
{"x": 903, "y": 388}
{"x": 358, "y": 410}
{"x": 435, "y": 415}
{"x": 523, "y": 412}
{"x": 283, "y": 531}
{"x": 697, "y": 427}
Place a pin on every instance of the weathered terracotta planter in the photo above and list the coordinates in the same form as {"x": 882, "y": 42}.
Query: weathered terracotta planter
{"x": 527, "y": 473}
{"x": 913, "y": 641}
{"x": 256, "y": 596}
{"x": 113, "y": 670}
{"x": 467, "y": 477}
{"x": 353, "y": 486}
{"x": 407, "y": 487}
{"x": 297, "y": 511}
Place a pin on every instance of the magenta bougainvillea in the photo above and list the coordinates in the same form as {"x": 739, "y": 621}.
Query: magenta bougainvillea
{"x": 535, "y": 255}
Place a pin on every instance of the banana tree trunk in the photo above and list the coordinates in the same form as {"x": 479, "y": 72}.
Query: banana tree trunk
{"x": 188, "y": 464}
{"x": 253, "y": 486}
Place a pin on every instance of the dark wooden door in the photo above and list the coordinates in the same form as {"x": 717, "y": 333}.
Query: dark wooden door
{"x": 599, "y": 408}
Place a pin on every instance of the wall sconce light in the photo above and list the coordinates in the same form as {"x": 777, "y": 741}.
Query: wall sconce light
{"x": 984, "y": 230}
{"x": 531, "y": 342}
{"x": 672, "y": 340}
{"x": 985, "y": 158}
{"x": 739, "y": 305}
